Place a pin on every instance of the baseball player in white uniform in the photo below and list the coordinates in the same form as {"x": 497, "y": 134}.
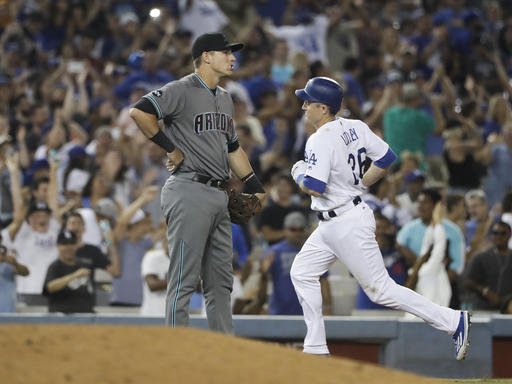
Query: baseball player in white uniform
{"x": 333, "y": 173}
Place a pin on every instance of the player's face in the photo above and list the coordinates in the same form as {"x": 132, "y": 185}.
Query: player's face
{"x": 222, "y": 61}
{"x": 314, "y": 112}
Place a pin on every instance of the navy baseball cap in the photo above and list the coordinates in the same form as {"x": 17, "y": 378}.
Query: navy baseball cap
{"x": 213, "y": 42}
{"x": 415, "y": 175}
{"x": 322, "y": 90}
{"x": 38, "y": 206}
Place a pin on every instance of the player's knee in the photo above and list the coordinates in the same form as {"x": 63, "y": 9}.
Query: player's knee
{"x": 294, "y": 273}
{"x": 378, "y": 291}
{"x": 298, "y": 274}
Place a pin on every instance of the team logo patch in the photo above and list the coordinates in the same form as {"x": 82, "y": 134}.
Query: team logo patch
{"x": 157, "y": 93}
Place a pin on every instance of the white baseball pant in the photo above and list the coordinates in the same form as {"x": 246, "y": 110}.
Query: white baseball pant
{"x": 350, "y": 237}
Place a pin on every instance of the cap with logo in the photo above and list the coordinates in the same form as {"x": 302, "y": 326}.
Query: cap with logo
{"x": 38, "y": 206}
{"x": 66, "y": 238}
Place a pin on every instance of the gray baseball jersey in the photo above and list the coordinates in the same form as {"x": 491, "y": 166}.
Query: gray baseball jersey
{"x": 197, "y": 123}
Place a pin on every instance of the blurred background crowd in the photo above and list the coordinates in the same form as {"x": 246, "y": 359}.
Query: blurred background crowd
{"x": 79, "y": 184}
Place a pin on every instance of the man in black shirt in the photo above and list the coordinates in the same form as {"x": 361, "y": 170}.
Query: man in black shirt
{"x": 68, "y": 284}
{"x": 88, "y": 254}
{"x": 271, "y": 220}
{"x": 489, "y": 274}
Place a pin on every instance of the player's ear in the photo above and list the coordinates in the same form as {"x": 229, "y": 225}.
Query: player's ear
{"x": 206, "y": 58}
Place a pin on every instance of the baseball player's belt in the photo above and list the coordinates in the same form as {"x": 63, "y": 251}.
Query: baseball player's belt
{"x": 207, "y": 180}
{"x": 326, "y": 215}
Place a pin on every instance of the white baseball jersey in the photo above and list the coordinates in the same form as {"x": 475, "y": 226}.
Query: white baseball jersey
{"x": 336, "y": 154}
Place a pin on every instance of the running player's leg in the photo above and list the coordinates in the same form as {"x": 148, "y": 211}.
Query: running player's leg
{"x": 311, "y": 262}
{"x": 356, "y": 247}
{"x": 217, "y": 273}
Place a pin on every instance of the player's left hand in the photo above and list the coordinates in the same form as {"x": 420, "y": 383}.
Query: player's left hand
{"x": 174, "y": 160}
{"x": 242, "y": 206}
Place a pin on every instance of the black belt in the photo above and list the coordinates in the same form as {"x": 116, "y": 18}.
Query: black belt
{"x": 207, "y": 180}
{"x": 332, "y": 213}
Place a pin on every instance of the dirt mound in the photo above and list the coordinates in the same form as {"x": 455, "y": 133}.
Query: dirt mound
{"x": 96, "y": 354}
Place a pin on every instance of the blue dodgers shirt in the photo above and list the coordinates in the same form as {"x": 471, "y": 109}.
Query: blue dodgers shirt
{"x": 7, "y": 288}
{"x": 283, "y": 300}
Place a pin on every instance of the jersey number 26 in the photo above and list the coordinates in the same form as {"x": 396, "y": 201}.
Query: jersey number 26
{"x": 357, "y": 162}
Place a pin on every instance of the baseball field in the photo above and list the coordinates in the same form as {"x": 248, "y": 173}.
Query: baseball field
{"x": 497, "y": 381}
{"x": 41, "y": 354}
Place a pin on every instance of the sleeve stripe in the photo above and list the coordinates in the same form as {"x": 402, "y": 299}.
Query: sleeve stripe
{"x": 314, "y": 184}
{"x": 386, "y": 160}
{"x": 155, "y": 104}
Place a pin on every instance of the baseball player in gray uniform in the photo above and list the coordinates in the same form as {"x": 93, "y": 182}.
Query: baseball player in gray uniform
{"x": 202, "y": 147}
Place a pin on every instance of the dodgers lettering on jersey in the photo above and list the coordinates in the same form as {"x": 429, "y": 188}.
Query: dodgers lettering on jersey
{"x": 336, "y": 154}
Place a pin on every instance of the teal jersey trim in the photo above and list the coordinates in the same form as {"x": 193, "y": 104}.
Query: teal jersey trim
{"x": 180, "y": 275}
{"x": 204, "y": 84}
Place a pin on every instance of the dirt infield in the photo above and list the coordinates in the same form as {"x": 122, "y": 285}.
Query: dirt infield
{"x": 76, "y": 354}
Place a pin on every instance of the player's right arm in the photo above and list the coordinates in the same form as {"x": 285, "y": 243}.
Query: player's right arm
{"x": 145, "y": 116}
{"x": 312, "y": 174}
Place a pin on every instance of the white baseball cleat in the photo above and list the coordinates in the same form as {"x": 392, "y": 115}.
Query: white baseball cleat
{"x": 461, "y": 336}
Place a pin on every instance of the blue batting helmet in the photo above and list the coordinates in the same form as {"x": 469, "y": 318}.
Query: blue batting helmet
{"x": 322, "y": 90}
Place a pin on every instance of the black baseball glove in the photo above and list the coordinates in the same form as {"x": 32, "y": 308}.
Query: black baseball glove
{"x": 242, "y": 206}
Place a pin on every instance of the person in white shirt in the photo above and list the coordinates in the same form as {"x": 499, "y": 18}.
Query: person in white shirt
{"x": 155, "y": 265}
{"x": 201, "y": 16}
{"x": 33, "y": 239}
{"x": 333, "y": 173}
{"x": 309, "y": 37}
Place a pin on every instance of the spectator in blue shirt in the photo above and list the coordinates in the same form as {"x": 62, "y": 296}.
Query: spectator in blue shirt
{"x": 277, "y": 263}
{"x": 148, "y": 77}
{"x": 9, "y": 268}
{"x": 410, "y": 239}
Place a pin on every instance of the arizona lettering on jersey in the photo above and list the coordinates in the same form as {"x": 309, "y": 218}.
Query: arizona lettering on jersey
{"x": 189, "y": 109}
{"x": 213, "y": 121}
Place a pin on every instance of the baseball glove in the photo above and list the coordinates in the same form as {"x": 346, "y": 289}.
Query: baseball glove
{"x": 242, "y": 206}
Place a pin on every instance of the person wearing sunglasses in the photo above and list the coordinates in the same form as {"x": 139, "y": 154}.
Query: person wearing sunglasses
{"x": 489, "y": 275}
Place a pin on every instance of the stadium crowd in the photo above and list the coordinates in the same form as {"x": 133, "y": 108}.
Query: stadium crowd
{"x": 79, "y": 184}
